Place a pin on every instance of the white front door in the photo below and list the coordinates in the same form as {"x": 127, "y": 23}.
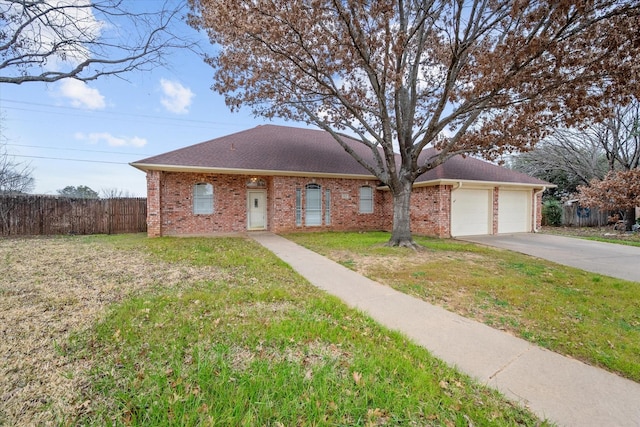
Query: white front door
{"x": 256, "y": 209}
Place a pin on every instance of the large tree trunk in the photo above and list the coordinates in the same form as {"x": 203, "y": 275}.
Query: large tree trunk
{"x": 630, "y": 218}
{"x": 401, "y": 232}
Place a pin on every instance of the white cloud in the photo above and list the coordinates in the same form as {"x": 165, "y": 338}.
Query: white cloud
{"x": 81, "y": 95}
{"x": 177, "y": 98}
{"x": 112, "y": 141}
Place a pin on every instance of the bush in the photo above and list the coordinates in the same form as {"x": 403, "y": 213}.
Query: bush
{"x": 552, "y": 213}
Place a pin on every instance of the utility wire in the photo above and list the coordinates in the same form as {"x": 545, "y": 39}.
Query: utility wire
{"x": 77, "y": 149}
{"x": 69, "y": 160}
{"x": 84, "y": 113}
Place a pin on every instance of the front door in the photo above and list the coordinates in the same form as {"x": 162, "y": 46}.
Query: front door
{"x": 256, "y": 209}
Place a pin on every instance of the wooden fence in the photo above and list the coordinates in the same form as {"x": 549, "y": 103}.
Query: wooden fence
{"x": 48, "y": 215}
{"x": 577, "y": 216}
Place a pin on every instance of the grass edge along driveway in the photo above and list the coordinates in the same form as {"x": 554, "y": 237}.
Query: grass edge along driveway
{"x": 583, "y": 315}
{"x": 249, "y": 342}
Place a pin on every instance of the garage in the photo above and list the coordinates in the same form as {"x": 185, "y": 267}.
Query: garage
{"x": 514, "y": 211}
{"x": 470, "y": 212}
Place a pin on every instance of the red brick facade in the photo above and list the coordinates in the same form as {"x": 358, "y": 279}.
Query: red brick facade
{"x": 170, "y": 205}
{"x": 431, "y": 211}
{"x": 495, "y": 205}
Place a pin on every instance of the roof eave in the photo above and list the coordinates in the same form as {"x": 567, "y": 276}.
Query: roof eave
{"x": 233, "y": 171}
{"x": 474, "y": 183}
{"x": 483, "y": 183}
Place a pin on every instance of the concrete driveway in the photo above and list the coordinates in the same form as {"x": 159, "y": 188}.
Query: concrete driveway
{"x": 608, "y": 259}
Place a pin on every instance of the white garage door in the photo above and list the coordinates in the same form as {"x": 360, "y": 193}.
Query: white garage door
{"x": 514, "y": 211}
{"x": 470, "y": 212}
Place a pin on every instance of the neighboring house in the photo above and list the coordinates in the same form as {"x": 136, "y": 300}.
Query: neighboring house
{"x": 286, "y": 179}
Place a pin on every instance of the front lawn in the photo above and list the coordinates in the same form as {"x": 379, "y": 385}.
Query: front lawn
{"x": 584, "y": 315}
{"x": 125, "y": 330}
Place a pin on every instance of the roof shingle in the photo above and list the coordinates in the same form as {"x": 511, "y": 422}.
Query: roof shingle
{"x": 297, "y": 150}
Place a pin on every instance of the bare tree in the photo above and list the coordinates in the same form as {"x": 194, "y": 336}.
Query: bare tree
{"x": 573, "y": 157}
{"x": 15, "y": 177}
{"x": 115, "y": 193}
{"x": 49, "y": 40}
{"x": 620, "y": 137}
{"x": 480, "y": 76}
{"x": 567, "y": 158}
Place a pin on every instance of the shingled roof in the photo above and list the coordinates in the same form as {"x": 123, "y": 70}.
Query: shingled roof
{"x": 461, "y": 168}
{"x": 283, "y": 150}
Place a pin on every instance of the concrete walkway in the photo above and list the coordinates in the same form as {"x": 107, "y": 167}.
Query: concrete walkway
{"x": 557, "y": 388}
{"x": 610, "y": 259}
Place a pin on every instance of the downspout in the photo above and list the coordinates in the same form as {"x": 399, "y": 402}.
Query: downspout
{"x": 535, "y": 208}
{"x": 458, "y": 187}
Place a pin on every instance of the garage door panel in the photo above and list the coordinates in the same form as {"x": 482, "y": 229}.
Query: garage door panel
{"x": 470, "y": 212}
{"x": 514, "y": 211}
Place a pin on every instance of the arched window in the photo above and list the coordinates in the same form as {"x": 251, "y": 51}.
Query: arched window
{"x": 366, "y": 199}
{"x": 202, "y": 199}
{"x": 313, "y": 205}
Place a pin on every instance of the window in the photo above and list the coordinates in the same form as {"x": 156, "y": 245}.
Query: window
{"x": 298, "y": 206}
{"x": 366, "y": 199}
{"x": 327, "y": 207}
{"x": 313, "y": 205}
{"x": 202, "y": 199}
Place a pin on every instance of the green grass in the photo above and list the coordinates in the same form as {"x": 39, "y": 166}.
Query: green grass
{"x": 590, "y": 317}
{"x": 260, "y": 346}
{"x": 617, "y": 241}
{"x": 599, "y": 234}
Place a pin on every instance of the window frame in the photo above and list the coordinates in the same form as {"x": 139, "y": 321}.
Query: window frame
{"x": 327, "y": 206}
{"x": 203, "y": 203}
{"x": 299, "y": 207}
{"x": 368, "y": 199}
{"x": 313, "y": 213}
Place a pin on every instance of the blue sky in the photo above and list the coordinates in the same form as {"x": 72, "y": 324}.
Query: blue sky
{"x": 73, "y": 133}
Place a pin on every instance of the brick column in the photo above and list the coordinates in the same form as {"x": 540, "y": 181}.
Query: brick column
{"x": 495, "y": 206}
{"x": 154, "y": 213}
{"x": 537, "y": 210}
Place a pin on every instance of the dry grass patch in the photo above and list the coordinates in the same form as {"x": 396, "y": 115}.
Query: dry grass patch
{"x": 51, "y": 288}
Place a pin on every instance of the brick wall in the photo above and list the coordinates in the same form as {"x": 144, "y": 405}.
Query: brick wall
{"x": 229, "y": 204}
{"x": 537, "y": 210}
{"x": 430, "y": 211}
{"x": 430, "y": 206}
{"x": 495, "y": 215}
{"x": 344, "y": 202}
{"x": 154, "y": 226}
{"x": 174, "y": 192}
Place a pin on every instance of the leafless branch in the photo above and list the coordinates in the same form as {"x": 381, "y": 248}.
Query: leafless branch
{"x": 46, "y": 40}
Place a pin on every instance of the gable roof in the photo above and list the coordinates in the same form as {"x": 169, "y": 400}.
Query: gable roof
{"x": 284, "y": 150}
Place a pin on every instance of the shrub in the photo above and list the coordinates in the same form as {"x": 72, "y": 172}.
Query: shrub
{"x": 552, "y": 213}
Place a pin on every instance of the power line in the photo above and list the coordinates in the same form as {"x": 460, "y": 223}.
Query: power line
{"x": 69, "y": 160}
{"x": 84, "y": 113}
{"x": 77, "y": 149}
